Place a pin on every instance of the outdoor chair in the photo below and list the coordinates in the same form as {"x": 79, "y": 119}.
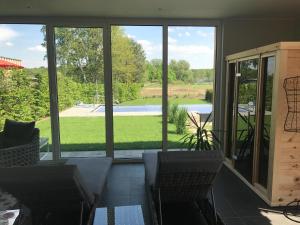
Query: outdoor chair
{"x": 55, "y": 194}
{"x": 181, "y": 176}
{"x": 19, "y": 144}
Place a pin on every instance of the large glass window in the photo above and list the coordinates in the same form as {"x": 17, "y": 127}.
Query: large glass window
{"x": 268, "y": 76}
{"x": 80, "y": 80}
{"x": 190, "y": 81}
{"x": 24, "y": 89}
{"x": 137, "y": 89}
{"x": 246, "y": 117}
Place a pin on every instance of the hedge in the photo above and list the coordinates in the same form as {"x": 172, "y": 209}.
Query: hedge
{"x": 24, "y": 94}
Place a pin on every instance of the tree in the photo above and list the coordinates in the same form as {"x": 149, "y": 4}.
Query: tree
{"x": 181, "y": 69}
{"x": 79, "y": 53}
{"x": 139, "y": 61}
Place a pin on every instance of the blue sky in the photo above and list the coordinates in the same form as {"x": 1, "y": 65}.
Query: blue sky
{"x": 194, "y": 44}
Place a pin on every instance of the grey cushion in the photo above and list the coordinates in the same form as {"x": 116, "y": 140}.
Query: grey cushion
{"x": 46, "y": 185}
{"x": 93, "y": 171}
{"x": 150, "y": 161}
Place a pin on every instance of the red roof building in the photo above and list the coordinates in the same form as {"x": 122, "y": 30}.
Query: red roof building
{"x": 8, "y": 63}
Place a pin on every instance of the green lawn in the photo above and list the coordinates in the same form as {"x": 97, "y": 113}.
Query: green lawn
{"x": 158, "y": 101}
{"x": 130, "y": 132}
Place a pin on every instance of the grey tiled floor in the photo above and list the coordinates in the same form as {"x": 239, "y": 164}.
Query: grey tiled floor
{"x": 236, "y": 203}
{"x": 125, "y": 186}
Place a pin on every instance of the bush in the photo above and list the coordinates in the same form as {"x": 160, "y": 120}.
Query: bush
{"x": 180, "y": 122}
{"x": 209, "y": 95}
{"x": 172, "y": 112}
{"x": 125, "y": 92}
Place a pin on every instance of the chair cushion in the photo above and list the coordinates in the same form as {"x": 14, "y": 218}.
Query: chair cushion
{"x": 94, "y": 172}
{"x": 150, "y": 161}
{"x": 46, "y": 185}
{"x": 17, "y": 133}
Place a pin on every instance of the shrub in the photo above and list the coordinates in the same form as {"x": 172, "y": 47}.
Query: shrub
{"x": 172, "y": 112}
{"x": 126, "y": 92}
{"x": 181, "y": 119}
{"x": 209, "y": 95}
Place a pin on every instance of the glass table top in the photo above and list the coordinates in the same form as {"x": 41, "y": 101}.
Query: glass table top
{"x": 120, "y": 215}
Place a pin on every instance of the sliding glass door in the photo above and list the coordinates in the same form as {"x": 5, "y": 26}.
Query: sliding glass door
{"x": 80, "y": 83}
{"x": 245, "y": 115}
{"x": 268, "y": 72}
{"x": 191, "y": 75}
{"x": 24, "y": 82}
{"x": 137, "y": 89}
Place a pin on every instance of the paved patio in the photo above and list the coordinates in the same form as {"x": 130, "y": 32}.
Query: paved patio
{"x": 119, "y": 154}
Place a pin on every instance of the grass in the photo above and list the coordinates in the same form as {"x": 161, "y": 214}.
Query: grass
{"x": 158, "y": 101}
{"x": 130, "y": 132}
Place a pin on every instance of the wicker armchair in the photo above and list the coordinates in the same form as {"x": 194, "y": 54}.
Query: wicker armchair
{"x": 21, "y": 155}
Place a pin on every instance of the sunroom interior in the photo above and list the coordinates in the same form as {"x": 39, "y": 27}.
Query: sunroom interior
{"x": 95, "y": 110}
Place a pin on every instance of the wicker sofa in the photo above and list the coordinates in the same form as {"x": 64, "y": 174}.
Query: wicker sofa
{"x": 20, "y": 155}
{"x": 182, "y": 177}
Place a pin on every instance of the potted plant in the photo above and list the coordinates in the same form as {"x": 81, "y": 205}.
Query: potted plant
{"x": 202, "y": 139}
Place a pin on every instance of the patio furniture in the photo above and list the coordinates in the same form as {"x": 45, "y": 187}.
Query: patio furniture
{"x": 64, "y": 192}
{"x": 172, "y": 177}
{"x": 19, "y": 144}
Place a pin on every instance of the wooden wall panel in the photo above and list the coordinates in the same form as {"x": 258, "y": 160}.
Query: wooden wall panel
{"x": 286, "y": 165}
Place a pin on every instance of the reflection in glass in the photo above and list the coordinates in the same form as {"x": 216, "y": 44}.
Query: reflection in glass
{"x": 268, "y": 75}
{"x": 246, "y": 116}
{"x": 120, "y": 215}
{"x": 230, "y": 92}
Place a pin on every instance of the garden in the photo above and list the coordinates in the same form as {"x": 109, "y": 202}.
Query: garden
{"x": 24, "y": 93}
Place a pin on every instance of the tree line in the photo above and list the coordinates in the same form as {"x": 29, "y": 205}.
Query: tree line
{"x": 79, "y": 54}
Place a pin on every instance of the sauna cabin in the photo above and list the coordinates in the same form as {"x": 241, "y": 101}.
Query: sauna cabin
{"x": 262, "y": 121}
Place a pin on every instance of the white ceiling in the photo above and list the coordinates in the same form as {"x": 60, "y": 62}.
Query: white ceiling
{"x": 209, "y": 9}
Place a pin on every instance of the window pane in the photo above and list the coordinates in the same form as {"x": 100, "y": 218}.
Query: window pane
{"x": 80, "y": 79}
{"x": 190, "y": 81}
{"x": 24, "y": 89}
{"x": 137, "y": 89}
{"x": 268, "y": 73}
{"x": 246, "y": 109}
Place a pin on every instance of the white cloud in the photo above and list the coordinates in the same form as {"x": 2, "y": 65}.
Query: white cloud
{"x": 131, "y": 36}
{"x": 190, "y": 49}
{"x": 37, "y": 48}
{"x": 9, "y": 44}
{"x": 180, "y": 34}
{"x": 171, "y": 40}
{"x": 152, "y": 50}
{"x": 7, "y": 33}
{"x": 171, "y": 29}
{"x": 187, "y": 34}
{"x": 203, "y": 33}
{"x": 199, "y": 56}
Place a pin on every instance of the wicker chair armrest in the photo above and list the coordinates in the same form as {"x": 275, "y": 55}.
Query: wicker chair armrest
{"x": 24, "y": 146}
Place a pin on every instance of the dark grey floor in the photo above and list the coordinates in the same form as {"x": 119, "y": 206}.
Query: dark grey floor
{"x": 236, "y": 203}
